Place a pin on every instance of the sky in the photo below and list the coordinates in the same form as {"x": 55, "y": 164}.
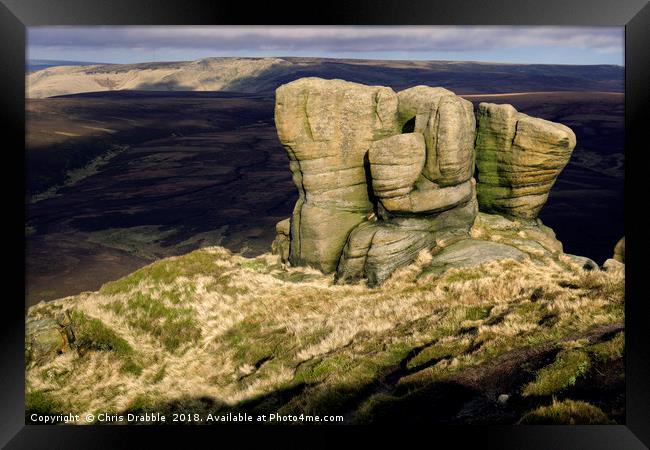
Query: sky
{"x": 503, "y": 44}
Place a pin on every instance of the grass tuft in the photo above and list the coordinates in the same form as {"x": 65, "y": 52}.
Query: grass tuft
{"x": 166, "y": 271}
{"x": 173, "y": 326}
{"x": 93, "y": 335}
{"x": 609, "y": 350}
{"x": 568, "y": 366}
{"x": 43, "y": 403}
{"x": 566, "y": 412}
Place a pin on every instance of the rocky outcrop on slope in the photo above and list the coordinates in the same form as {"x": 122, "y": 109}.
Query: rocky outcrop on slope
{"x": 215, "y": 332}
{"x": 619, "y": 251}
{"x": 616, "y": 262}
{"x": 327, "y": 126}
{"x": 422, "y": 185}
{"x": 382, "y": 176}
{"x": 518, "y": 159}
{"x": 45, "y": 338}
{"x": 281, "y": 243}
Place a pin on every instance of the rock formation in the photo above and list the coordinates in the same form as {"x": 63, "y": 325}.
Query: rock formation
{"x": 327, "y": 126}
{"x": 616, "y": 262}
{"x": 382, "y": 176}
{"x": 518, "y": 159}
{"x": 421, "y": 182}
{"x": 619, "y": 251}
{"x": 612, "y": 265}
{"x": 584, "y": 262}
{"x": 280, "y": 246}
{"x": 45, "y": 338}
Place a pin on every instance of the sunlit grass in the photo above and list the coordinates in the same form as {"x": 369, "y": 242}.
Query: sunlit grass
{"x": 215, "y": 325}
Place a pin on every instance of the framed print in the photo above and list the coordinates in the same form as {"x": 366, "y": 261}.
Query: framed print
{"x": 372, "y": 218}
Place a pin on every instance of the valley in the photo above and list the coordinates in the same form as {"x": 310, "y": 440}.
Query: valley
{"x": 202, "y": 168}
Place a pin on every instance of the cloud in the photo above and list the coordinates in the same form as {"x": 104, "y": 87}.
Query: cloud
{"x": 361, "y": 39}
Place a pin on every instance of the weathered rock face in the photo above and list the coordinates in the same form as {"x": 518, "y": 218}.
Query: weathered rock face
{"x": 422, "y": 182}
{"x": 281, "y": 244}
{"x": 383, "y": 175}
{"x": 448, "y": 125}
{"x": 612, "y": 265}
{"x": 518, "y": 159}
{"x": 375, "y": 249}
{"x": 530, "y": 236}
{"x": 471, "y": 253}
{"x": 327, "y": 127}
{"x": 619, "y": 251}
{"x": 48, "y": 337}
{"x": 584, "y": 262}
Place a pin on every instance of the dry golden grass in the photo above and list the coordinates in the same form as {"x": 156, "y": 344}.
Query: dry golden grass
{"x": 217, "y": 325}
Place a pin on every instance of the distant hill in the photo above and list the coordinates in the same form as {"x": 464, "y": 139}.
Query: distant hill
{"x": 40, "y": 64}
{"x": 264, "y": 75}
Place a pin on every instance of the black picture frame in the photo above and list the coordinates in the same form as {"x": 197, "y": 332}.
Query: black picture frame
{"x": 15, "y": 15}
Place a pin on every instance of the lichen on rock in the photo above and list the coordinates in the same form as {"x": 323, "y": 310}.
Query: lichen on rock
{"x": 518, "y": 159}
{"x": 46, "y": 337}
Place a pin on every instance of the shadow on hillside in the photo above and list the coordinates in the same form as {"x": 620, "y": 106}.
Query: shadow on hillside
{"x": 400, "y": 394}
{"x": 468, "y": 397}
{"x": 439, "y": 404}
{"x": 163, "y": 85}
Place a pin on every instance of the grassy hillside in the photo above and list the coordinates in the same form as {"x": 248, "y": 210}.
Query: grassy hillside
{"x": 211, "y": 331}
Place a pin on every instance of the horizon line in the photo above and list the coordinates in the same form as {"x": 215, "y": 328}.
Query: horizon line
{"x": 27, "y": 60}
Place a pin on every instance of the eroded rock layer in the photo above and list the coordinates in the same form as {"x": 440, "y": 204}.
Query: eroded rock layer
{"x": 327, "y": 127}
{"x": 518, "y": 159}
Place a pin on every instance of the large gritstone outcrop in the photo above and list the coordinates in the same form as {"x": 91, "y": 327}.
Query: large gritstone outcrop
{"x": 518, "y": 159}
{"x": 382, "y": 176}
{"x": 327, "y": 127}
{"x": 422, "y": 182}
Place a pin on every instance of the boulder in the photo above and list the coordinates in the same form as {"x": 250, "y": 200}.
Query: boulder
{"x": 448, "y": 125}
{"x": 518, "y": 159}
{"x": 280, "y": 246}
{"x": 375, "y": 249}
{"x": 584, "y": 262}
{"x": 395, "y": 164}
{"x": 471, "y": 253}
{"x": 612, "y": 265}
{"x": 619, "y": 251}
{"x": 530, "y": 236}
{"x": 48, "y": 337}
